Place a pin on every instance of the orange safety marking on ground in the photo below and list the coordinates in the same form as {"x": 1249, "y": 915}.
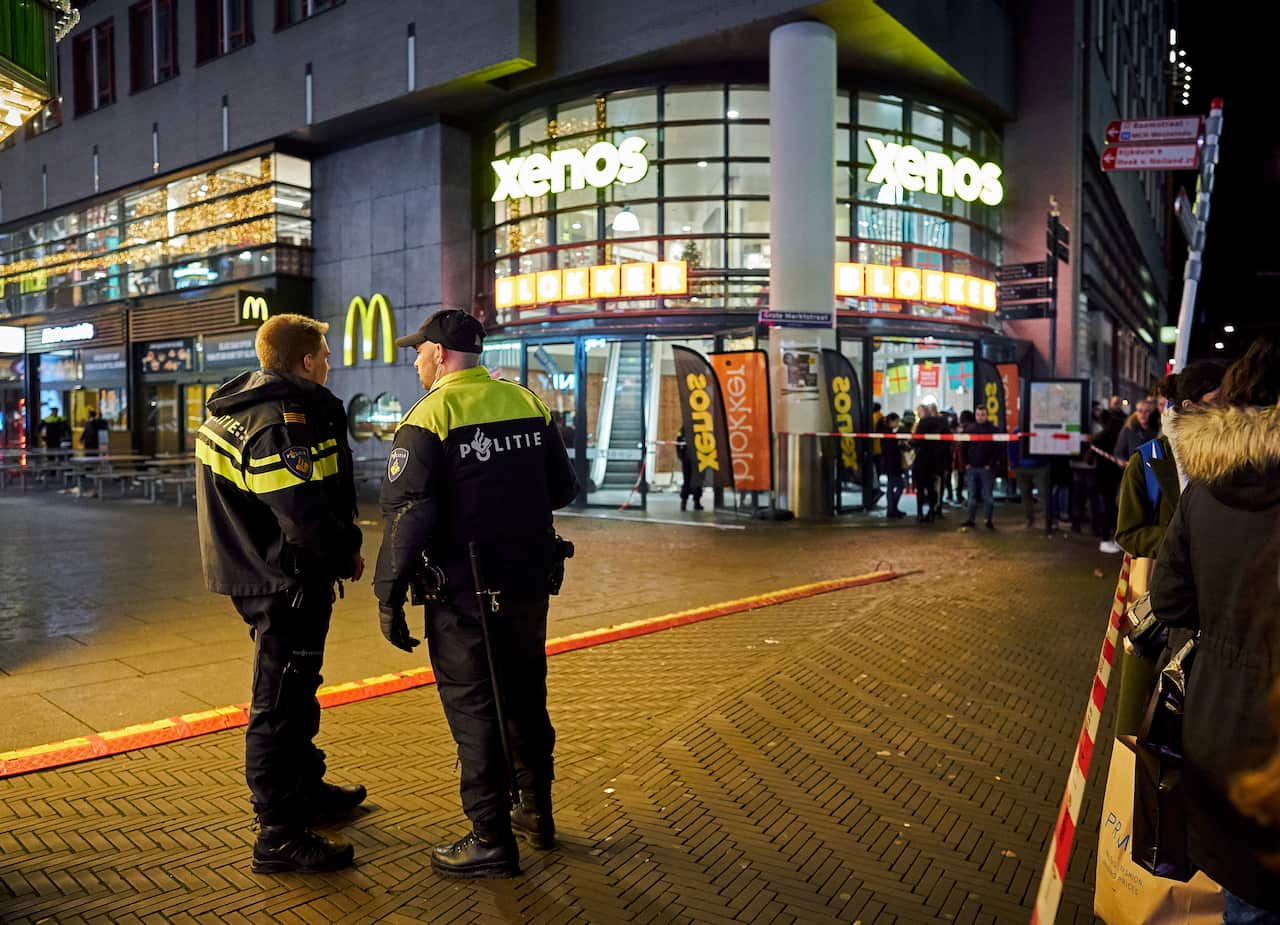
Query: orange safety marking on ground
{"x": 190, "y": 725}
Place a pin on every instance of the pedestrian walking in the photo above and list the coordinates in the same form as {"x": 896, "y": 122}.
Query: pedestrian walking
{"x": 691, "y": 478}
{"x": 53, "y": 428}
{"x": 980, "y": 465}
{"x": 478, "y": 464}
{"x": 276, "y": 512}
{"x": 929, "y": 463}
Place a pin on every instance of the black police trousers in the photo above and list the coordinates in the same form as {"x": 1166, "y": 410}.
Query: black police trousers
{"x": 281, "y": 764}
{"x": 456, "y": 647}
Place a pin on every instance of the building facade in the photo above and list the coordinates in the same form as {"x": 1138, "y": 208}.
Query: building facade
{"x": 596, "y": 203}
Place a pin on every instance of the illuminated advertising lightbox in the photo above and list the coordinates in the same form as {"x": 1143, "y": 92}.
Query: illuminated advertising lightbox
{"x": 600, "y": 165}
{"x": 909, "y": 168}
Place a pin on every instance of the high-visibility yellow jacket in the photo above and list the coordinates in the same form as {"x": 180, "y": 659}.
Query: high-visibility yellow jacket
{"x": 477, "y": 459}
{"x": 276, "y": 499}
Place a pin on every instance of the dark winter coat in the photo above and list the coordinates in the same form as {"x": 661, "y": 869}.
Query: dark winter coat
{"x": 1133, "y": 436}
{"x": 1216, "y": 572}
{"x": 890, "y": 454}
{"x": 982, "y": 455}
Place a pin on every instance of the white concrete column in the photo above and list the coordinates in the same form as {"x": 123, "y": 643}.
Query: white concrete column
{"x": 802, "y": 99}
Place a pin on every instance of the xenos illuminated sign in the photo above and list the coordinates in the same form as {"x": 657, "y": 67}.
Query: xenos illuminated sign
{"x": 568, "y": 168}
{"x": 376, "y": 310}
{"x": 915, "y": 170}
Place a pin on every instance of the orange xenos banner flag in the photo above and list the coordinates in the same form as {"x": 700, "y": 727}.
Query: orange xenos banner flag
{"x": 744, "y": 385}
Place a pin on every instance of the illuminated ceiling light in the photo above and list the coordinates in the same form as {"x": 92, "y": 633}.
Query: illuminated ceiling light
{"x": 686, "y": 228}
{"x": 1182, "y": 53}
{"x": 625, "y": 222}
{"x": 702, "y": 163}
{"x": 1219, "y": 346}
{"x": 1173, "y": 56}
{"x": 1173, "y": 36}
{"x": 576, "y": 226}
{"x": 246, "y": 255}
{"x": 1229, "y": 328}
{"x": 732, "y": 113}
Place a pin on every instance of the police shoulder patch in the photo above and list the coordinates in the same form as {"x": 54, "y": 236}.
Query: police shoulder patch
{"x": 396, "y": 464}
{"x": 297, "y": 459}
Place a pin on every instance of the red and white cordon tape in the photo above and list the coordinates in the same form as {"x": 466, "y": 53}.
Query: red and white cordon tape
{"x": 1064, "y": 831}
{"x": 949, "y": 438}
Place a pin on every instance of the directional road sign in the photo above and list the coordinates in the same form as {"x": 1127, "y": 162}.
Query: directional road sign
{"x": 1140, "y": 131}
{"x": 1013, "y": 272}
{"x": 1021, "y": 292}
{"x": 1151, "y": 157}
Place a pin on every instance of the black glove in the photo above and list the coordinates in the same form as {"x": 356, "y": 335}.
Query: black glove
{"x": 395, "y": 629}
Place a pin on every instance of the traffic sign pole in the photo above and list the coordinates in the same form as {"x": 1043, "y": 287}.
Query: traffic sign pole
{"x": 1195, "y": 248}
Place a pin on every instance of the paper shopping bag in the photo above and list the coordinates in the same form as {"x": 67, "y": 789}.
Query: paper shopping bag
{"x": 1124, "y": 893}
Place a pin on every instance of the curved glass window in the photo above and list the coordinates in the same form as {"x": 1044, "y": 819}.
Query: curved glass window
{"x": 700, "y": 192}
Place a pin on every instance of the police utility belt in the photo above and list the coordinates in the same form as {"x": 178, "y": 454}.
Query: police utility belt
{"x": 429, "y": 583}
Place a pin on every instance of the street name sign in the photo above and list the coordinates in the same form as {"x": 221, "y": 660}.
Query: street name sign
{"x": 1151, "y": 157}
{"x": 1013, "y": 272}
{"x": 786, "y": 319}
{"x": 1021, "y": 292}
{"x": 1135, "y": 131}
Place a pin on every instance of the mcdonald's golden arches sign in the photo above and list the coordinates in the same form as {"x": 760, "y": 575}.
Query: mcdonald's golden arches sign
{"x": 373, "y": 316}
{"x": 252, "y": 308}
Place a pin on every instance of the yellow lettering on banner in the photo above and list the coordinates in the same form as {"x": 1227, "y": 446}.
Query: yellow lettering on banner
{"x": 933, "y": 288}
{"x": 849, "y": 279}
{"x": 704, "y": 438}
{"x": 605, "y": 283}
{"x": 575, "y": 284}
{"x": 843, "y": 402}
{"x": 879, "y": 281}
{"x": 549, "y": 288}
{"x": 906, "y": 284}
{"x": 637, "y": 279}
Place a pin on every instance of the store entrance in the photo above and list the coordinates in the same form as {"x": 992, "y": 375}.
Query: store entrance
{"x": 615, "y": 421}
{"x": 174, "y": 412}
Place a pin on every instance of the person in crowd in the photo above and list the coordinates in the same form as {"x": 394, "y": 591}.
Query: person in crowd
{"x": 1215, "y": 575}
{"x": 980, "y": 465}
{"x": 276, "y": 514}
{"x": 1060, "y": 482}
{"x": 877, "y": 419}
{"x": 946, "y": 459}
{"x": 959, "y": 455}
{"x": 891, "y": 465}
{"x": 927, "y": 469}
{"x": 691, "y": 478}
{"x": 89, "y": 436}
{"x": 1084, "y": 481}
{"x": 1137, "y": 430}
{"x": 53, "y": 428}
{"x": 1151, "y": 485}
{"x": 567, "y": 434}
{"x": 1109, "y": 473}
{"x": 475, "y": 472}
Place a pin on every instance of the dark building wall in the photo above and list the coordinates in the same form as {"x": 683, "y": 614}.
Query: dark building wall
{"x": 392, "y": 217}
{"x": 1040, "y": 151}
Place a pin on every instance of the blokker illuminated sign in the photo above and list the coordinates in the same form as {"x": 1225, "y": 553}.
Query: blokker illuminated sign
{"x": 375, "y": 310}
{"x": 908, "y": 284}
{"x": 64, "y": 335}
{"x": 579, "y": 284}
{"x": 568, "y": 168}
{"x": 933, "y": 172}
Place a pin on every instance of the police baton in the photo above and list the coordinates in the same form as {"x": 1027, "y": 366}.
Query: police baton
{"x": 485, "y": 597}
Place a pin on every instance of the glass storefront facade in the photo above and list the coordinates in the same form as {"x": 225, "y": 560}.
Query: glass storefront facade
{"x": 239, "y": 221}
{"x": 704, "y": 198}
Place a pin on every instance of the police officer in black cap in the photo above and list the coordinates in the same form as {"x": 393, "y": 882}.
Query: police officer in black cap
{"x": 479, "y": 461}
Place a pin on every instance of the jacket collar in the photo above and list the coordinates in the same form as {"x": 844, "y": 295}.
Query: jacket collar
{"x": 474, "y": 374}
{"x": 1235, "y": 449}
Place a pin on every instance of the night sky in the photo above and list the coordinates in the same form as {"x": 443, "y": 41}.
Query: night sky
{"x": 1240, "y": 284}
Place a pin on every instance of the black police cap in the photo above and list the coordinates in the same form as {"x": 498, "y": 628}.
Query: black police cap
{"x": 451, "y": 329}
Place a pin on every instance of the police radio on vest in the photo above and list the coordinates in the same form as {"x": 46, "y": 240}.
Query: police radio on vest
{"x": 602, "y": 164}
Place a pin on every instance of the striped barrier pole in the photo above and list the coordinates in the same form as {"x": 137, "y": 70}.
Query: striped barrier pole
{"x": 1049, "y": 895}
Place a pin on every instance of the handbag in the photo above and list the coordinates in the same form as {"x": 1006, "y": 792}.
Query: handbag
{"x": 1159, "y": 807}
{"x": 1125, "y": 893}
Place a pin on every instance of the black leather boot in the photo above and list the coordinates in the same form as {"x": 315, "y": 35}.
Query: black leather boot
{"x": 284, "y": 848}
{"x": 328, "y": 802}
{"x": 477, "y": 856}
{"x": 531, "y": 819}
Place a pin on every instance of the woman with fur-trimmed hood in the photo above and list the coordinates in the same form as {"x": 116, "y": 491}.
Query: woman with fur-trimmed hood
{"x": 1218, "y": 571}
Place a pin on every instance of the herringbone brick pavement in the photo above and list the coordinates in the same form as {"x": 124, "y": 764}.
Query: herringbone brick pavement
{"x": 890, "y": 754}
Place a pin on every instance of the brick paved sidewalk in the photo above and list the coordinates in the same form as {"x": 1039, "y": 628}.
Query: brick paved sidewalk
{"x": 886, "y": 754}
